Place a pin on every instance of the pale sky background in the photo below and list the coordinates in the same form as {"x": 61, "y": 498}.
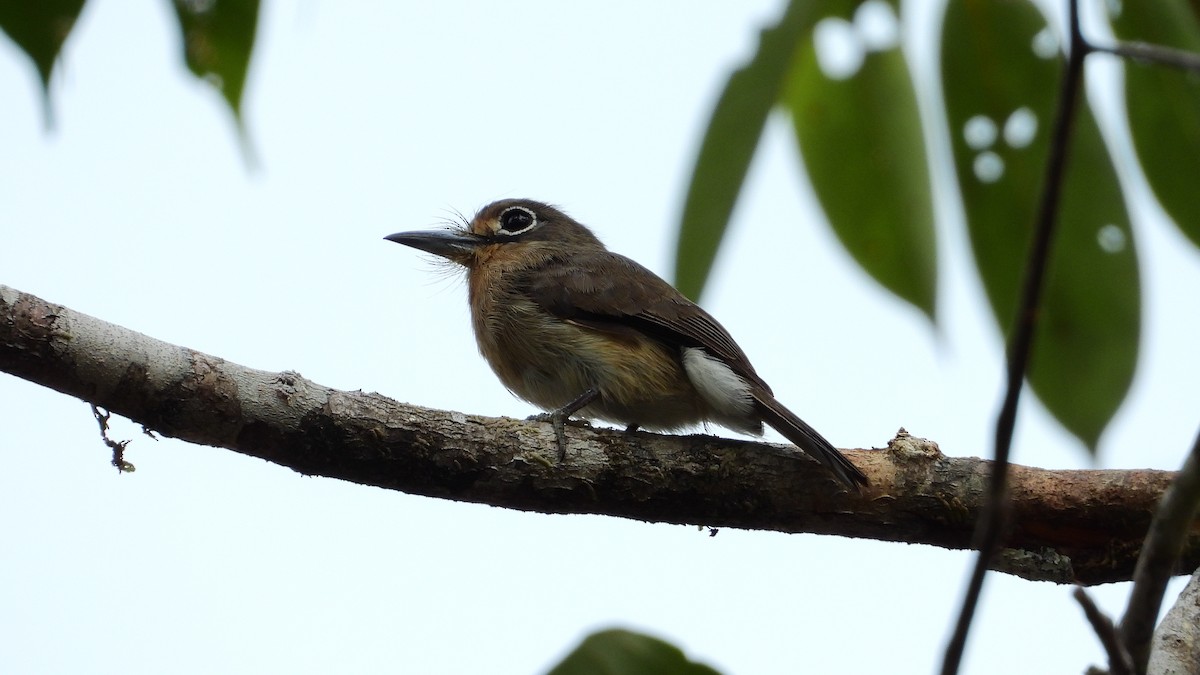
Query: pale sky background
{"x": 373, "y": 117}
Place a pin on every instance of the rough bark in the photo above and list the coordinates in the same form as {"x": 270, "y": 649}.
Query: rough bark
{"x": 1176, "y": 646}
{"x": 1081, "y": 527}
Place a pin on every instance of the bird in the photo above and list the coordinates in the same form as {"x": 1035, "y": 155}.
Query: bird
{"x": 576, "y": 329}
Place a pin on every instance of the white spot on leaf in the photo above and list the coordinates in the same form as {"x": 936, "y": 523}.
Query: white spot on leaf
{"x": 877, "y": 25}
{"x": 839, "y": 49}
{"x": 1045, "y": 44}
{"x": 1111, "y": 239}
{"x": 1020, "y": 128}
{"x": 979, "y": 132}
{"x": 989, "y": 167}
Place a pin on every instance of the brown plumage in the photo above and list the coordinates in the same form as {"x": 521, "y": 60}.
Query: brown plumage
{"x": 562, "y": 320}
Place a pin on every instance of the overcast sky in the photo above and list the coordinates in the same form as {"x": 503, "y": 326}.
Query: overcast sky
{"x": 372, "y": 117}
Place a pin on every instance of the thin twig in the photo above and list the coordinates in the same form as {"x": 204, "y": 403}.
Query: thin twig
{"x": 1176, "y": 637}
{"x": 1159, "y": 558}
{"x": 117, "y": 447}
{"x": 1150, "y": 53}
{"x": 1021, "y": 346}
{"x": 1118, "y": 659}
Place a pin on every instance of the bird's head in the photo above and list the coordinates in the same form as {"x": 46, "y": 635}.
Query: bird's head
{"x": 508, "y": 228}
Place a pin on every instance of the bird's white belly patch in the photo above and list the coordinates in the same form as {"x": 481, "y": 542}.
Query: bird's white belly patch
{"x": 724, "y": 390}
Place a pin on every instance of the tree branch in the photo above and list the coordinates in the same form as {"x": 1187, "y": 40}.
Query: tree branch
{"x": 1118, "y": 658}
{"x": 1067, "y": 526}
{"x": 1159, "y": 559}
{"x": 1177, "y": 639}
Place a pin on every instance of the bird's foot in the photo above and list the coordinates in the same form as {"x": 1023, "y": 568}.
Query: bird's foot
{"x": 559, "y": 418}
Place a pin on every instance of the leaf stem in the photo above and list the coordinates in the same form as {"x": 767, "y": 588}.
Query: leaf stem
{"x": 1150, "y": 53}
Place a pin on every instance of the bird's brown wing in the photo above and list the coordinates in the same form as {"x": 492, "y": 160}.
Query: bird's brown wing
{"x": 612, "y": 293}
{"x": 609, "y": 292}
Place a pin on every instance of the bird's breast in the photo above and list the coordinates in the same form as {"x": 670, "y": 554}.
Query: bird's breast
{"x": 549, "y": 361}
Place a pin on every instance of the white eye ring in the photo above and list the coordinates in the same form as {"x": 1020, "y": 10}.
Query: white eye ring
{"x": 533, "y": 221}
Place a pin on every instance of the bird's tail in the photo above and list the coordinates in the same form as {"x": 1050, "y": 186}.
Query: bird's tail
{"x": 807, "y": 439}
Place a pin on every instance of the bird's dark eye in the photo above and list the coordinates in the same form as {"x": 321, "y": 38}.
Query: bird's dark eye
{"x": 516, "y": 219}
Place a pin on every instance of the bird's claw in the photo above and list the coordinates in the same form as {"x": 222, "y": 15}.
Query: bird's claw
{"x": 559, "y": 422}
{"x": 559, "y": 418}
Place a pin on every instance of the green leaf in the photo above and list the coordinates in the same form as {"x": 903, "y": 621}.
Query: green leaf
{"x": 40, "y": 27}
{"x": 218, "y": 39}
{"x": 860, "y": 137}
{"x": 1000, "y": 96}
{"x": 728, "y": 146}
{"x": 621, "y": 652}
{"x": 1164, "y": 106}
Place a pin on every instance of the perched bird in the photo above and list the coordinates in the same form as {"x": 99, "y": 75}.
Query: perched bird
{"x": 572, "y": 327}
